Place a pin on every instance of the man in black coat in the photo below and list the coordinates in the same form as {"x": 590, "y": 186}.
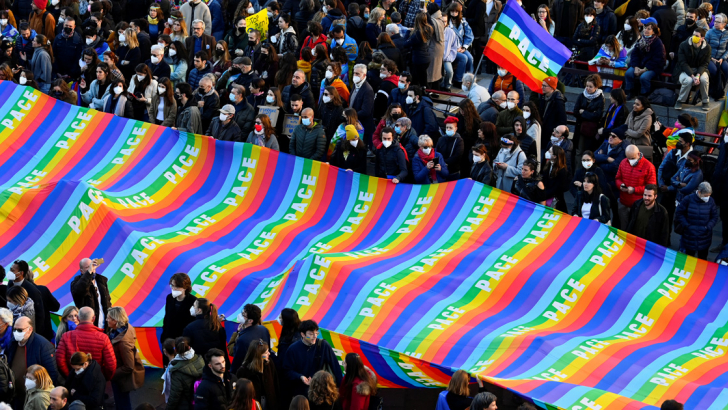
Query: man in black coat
{"x": 648, "y": 219}
{"x": 250, "y": 330}
{"x": 68, "y": 46}
{"x": 298, "y": 86}
{"x": 92, "y": 290}
{"x": 16, "y": 277}
{"x": 215, "y": 391}
{"x": 224, "y": 128}
{"x": 362, "y": 100}
{"x": 391, "y": 162}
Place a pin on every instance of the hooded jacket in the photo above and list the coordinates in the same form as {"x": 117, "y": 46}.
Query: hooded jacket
{"x": 184, "y": 374}
{"x": 697, "y": 219}
{"x": 691, "y": 60}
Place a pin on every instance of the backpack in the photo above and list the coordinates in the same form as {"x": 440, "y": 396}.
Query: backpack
{"x": 663, "y": 96}
{"x": 6, "y": 392}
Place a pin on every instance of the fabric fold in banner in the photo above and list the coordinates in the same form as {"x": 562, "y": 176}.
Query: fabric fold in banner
{"x": 421, "y": 280}
{"x": 521, "y": 46}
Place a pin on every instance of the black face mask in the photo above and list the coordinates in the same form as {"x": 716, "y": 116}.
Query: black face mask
{"x": 689, "y": 22}
{"x": 67, "y": 30}
{"x": 236, "y": 70}
{"x": 58, "y": 94}
{"x": 396, "y": 116}
{"x": 679, "y": 146}
{"x": 202, "y": 90}
{"x": 219, "y": 52}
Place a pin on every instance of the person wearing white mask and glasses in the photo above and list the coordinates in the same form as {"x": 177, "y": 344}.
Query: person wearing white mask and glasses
{"x": 224, "y": 127}
{"x": 26, "y": 350}
{"x": 695, "y": 219}
{"x": 428, "y": 166}
{"x": 362, "y": 100}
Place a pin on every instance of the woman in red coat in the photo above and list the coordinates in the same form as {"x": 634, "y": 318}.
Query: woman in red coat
{"x": 359, "y": 384}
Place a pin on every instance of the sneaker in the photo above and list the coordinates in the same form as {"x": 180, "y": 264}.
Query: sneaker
{"x": 706, "y": 106}
{"x": 678, "y": 105}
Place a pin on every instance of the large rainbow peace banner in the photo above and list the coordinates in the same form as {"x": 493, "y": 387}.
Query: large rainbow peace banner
{"x": 519, "y": 44}
{"x": 421, "y": 280}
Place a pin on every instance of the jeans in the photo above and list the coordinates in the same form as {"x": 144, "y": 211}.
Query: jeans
{"x": 461, "y": 60}
{"x": 463, "y": 68}
{"x": 644, "y": 79}
{"x": 714, "y": 80}
{"x": 122, "y": 399}
{"x": 45, "y": 88}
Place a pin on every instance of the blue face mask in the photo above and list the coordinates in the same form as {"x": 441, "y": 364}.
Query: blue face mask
{"x": 366, "y": 15}
{"x": 401, "y": 86}
{"x": 306, "y": 122}
{"x": 396, "y": 129}
{"x": 450, "y": 133}
{"x": 72, "y": 325}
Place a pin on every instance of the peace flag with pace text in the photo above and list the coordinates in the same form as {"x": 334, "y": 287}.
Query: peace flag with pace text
{"x": 421, "y": 280}
{"x": 520, "y": 45}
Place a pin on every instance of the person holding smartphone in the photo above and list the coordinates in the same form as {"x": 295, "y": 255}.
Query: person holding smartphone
{"x": 429, "y": 167}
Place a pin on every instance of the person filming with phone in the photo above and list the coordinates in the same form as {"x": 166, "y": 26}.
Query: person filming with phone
{"x": 91, "y": 289}
{"x": 429, "y": 167}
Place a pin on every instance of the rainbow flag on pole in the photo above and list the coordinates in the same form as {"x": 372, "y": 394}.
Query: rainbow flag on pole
{"x": 524, "y": 48}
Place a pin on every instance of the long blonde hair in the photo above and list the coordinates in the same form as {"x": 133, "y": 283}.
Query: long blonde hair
{"x": 63, "y": 326}
{"x": 42, "y": 379}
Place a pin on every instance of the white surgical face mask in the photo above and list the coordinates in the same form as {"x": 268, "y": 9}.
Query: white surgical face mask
{"x": 10, "y": 276}
{"x": 61, "y": 20}
{"x": 81, "y": 63}
{"x": 589, "y": 19}
{"x": 409, "y": 100}
{"x": 23, "y": 80}
{"x": 555, "y": 140}
{"x": 503, "y": 104}
{"x": 193, "y": 311}
{"x": 270, "y": 14}
{"x": 704, "y": 198}
{"x": 18, "y": 336}
{"x": 382, "y": 76}
{"x": 274, "y": 39}
{"x": 79, "y": 371}
{"x": 4, "y": 22}
{"x": 329, "y": 74}
{"x": 118, "y": 89}
{"x": 29, "y": 384}
{"x": 313, "y": 52}
{"x": 223, "y": 116}
{"x": 161, "y": 90}
{"x": 586, "y": 164}
{"x": 122, "y": 38}
{"x": 387, "y": 144}
{"x": 155, "y": 59}
{"x": 476, "y": 158}
{"x": 172, "y": 52}
{"x": 141, "y": 77}
{"x": 354, "y": 143}
{"x": 88, "y": 40}
{"x": 326, "y": 99}
{"x": 526, "y": 114}
{"x": 548, "y": 155}
{"x": 170, "y": 21}
{"x": 176, "y": 293}
{"x": 427, "y": 150}
{"x": 511, "y": 105}
{"x": 251, "y": 10}
{"x": 12, "y": 305}
{"x": 55, "y": 2}
{"x": 502, "y": 72}
{"x": 358, "y": 80}
{"x": 270, "y": 99}
{"x": 633, "y": 162}
{"x": 627, "y": 27}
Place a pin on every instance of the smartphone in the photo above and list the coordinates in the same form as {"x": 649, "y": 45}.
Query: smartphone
{"x": 623, "y": 186}
{"x": 98, "y": 261}
{"x": 436, "y": 161}
{"x": 423, "y": 4}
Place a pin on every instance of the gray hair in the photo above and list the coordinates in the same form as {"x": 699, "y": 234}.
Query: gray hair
{"x": 424, "y": 140}
{"x": 392, "y": 29}
{"x": 705, "y": 188}
{"x": 211, "y": 77}
{"x": 6, "y": 316}
{"x": 157, "y": 47}
{"x": 496, "y": 95}
{"x": 722, "y": 16}
{"x": 404, "y": 121}
{"x": 198, "y": 21}
{"x": 362, "y": 67}
{"x": 469, "y": 78}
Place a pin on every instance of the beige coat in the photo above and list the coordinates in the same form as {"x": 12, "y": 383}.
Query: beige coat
{"x": 436, "y": 47}
{"x": 638, "y": 128}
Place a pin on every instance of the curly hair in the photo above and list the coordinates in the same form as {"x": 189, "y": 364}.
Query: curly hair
{"x": 323, "y": 389}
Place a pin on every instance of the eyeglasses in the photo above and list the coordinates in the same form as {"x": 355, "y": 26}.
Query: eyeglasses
{"x": 258, "y": 123}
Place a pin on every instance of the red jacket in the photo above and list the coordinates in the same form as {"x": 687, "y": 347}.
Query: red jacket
{"x": 356, "y": 397}
{"x": 312, "y": 44}
{"x": 634, "y": 176}
{"x": 86, "y": 338}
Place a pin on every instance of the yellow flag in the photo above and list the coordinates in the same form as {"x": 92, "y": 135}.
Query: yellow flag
{"x": 258, "y": 21}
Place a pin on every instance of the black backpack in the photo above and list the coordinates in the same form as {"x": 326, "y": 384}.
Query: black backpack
{"x": 7, "y": 381}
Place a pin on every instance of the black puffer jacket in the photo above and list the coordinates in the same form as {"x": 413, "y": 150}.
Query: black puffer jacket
{"x": 331, "y": 117}
{"x": 391, "y": 162}
{"x": 212, "y": 394}
{"x": 202, "y": 338}
{"x": 89, "y": 386}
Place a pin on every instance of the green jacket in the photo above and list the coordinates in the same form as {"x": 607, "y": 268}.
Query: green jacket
{"x": 183, "y": 375}
{"x": 308, "y": 142}
{"x": 504, "y": 122}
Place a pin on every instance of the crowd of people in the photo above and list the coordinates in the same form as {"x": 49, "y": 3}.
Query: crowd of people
{"x": 349, "y": 83}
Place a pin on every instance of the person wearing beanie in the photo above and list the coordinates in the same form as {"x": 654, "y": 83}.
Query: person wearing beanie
{"x": 351, "y": 154}
{"x": 608, "y": 157}
{"x": 552, "y": 107}
{"x": 452, "y": 147}
{"x": 42, "y": 21}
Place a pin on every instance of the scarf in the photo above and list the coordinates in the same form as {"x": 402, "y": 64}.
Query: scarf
{"x": 116, "y": 332}
{"x": 614, "y": 116}
{"x": 119, "y": 112}
{"x": 152, "y": 22}
{"x": 427, "y": 158}
{"x": 597, "y": 93}
{"x": 645, "y": 43}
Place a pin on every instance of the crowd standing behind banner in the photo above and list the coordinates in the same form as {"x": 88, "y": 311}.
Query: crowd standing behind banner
{"x": 344, "y": 82}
